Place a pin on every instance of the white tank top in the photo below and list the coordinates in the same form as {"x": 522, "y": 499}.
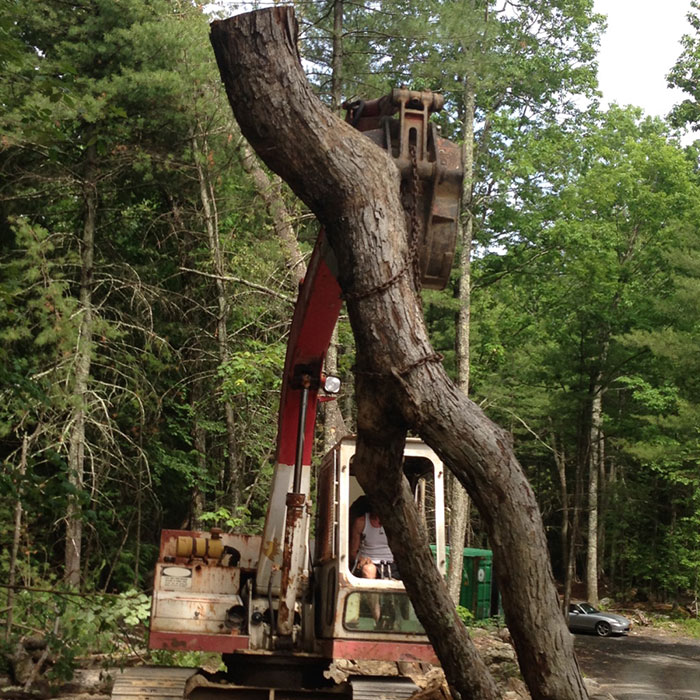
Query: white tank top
{"x": 373, "y": 544}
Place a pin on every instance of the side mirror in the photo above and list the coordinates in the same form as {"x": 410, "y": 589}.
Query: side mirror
{"x": 331, "y": 385}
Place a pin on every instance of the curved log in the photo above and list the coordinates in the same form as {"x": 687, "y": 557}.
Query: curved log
{"x": 353, "y": 188}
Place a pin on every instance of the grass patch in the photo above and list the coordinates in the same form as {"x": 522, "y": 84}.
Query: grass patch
{"x": 690, "y": 627}
{"x": 683, "y": 626}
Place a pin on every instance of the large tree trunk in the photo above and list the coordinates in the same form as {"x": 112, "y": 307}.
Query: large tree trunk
{"x": 353, "y": 188}
{"x": 571, "y": 575}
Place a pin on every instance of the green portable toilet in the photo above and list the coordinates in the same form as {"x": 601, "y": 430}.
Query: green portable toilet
{"x": 477, "y": 570}
{"x": 477, "y": 575}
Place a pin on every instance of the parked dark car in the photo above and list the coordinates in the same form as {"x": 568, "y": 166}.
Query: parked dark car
{"x": 583, "y": 617}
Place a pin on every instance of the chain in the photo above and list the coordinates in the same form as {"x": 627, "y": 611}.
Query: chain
{"x": 433, "y": 357}
{"x": 414, "y": 228}
{"x": 379, "y": 288}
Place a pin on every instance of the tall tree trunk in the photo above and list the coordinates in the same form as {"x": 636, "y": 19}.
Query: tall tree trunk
{"x": 460, "y": 503}
{"x": 83, "y": 359}
{"x": 200, "y": 151}
{"x": 594, "y": 459}
{"x": 353, "y": 188}
{"x": 571, "y": 575}
{"x": 16, "y": 533}
{"x": 337, "y": 58}
{"x": 270, "y": 191}
{"x": 602, "y": 503}
{"x": 611, "y": 503}
{"x": 560, "y": 461}
{"x": 333, "y": 423}
{"x": 199, "y": 438}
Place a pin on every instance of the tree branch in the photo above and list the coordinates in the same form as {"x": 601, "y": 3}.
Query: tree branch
{"x": 240, "y": 280}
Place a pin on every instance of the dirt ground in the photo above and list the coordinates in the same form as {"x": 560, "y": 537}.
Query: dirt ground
{"x": 648, "y": 664}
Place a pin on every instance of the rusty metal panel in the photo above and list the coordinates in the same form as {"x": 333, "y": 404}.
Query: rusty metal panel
{"x": 176, "y": 612}
{"x": 186, "y": 641}
{"x": 379, "y": 650}
{"x": 197, "y": 578}
{"x": 194, "y": 598}
{"x": 293, "y": 561}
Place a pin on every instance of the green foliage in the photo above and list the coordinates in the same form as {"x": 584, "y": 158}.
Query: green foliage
{"x": 490, "y": 623}
{"x": 685, "y": 74}
{"x": 187, "y": 659}
{"x": 465, "y": 615}
{"x": 77, "y": 625}
{"x": 582, "y": 297}
{"x": 249, "y": 374}
{"x": 137, "y": 83}
{"x": 222, "y": 517}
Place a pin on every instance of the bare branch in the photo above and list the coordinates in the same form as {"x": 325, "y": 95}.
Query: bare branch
{"x": 240, "y": 280}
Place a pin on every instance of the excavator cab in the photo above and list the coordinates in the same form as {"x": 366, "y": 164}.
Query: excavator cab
{"x": 369, "y": 618}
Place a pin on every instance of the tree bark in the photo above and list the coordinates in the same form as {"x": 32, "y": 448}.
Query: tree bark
{"x": 353, "y": 188}
{"x": 560, "y": 461}
{"x": 573, "y": 536}
{"x": 197, "y": 497}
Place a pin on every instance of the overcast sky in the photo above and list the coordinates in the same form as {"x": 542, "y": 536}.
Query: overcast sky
{"x": 638, "y": 50}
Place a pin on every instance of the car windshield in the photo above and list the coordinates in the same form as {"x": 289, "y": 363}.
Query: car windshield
{"x": 587, "y": 608}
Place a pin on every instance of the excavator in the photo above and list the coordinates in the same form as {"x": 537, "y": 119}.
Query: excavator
{"x": 283, "y": 607}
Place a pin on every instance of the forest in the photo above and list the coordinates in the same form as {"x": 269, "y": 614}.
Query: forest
{"x": 149, "y": 264}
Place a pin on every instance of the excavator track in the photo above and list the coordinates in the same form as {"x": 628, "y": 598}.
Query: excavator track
{"x": 167, "y": 683}
{"x": 391, "y": 688}
{"x": 152, "y": 683}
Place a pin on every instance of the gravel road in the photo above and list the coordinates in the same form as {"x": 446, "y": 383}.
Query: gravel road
{"x": 641, "y": 667}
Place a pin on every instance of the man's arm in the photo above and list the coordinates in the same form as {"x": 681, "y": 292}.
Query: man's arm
{"x": 356, "y": 537}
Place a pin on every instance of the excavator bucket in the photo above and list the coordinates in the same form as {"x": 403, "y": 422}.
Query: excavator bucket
{"x": 431, "y": 168}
